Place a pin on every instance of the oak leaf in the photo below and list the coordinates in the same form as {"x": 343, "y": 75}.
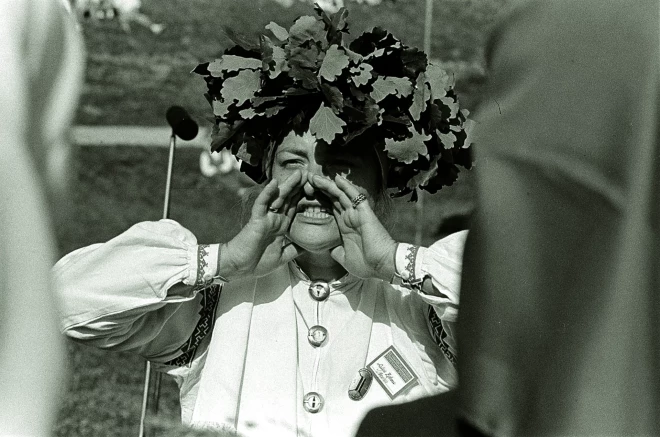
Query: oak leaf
{"x": 279, "y": 32}
{"x": 325, "y": 125}
{"x": 361, "y": 74}
{"x": 242, "y": 87}
{"x": 451, "y": 104}
{"x": 424, "y": 176}
{"x": 334, "y": 96}
{"x": 421, "y": 95}
{"x": 247, "y": 113}
{"x": 227, "y": 63}
{"x": 221, "y": 134}
{"x": 468, "y": 126}
{"x": 334, "y": 63}
{"x": 249, "y": 149}
{"x": 447, "y": 139}
{"x": 220, "y": 108}
{"x": 274, "y": 58}
{"x": 307, "y": 28}
{"x": 439, "y": 80}
{"x": 409, "y": 149}
{"x": 384, "y": 86}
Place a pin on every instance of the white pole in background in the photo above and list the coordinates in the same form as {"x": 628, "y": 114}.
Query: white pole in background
{"x": 428, "y": 26}
{"x": 147, "y": 369}
{"x": 419, "y": 206}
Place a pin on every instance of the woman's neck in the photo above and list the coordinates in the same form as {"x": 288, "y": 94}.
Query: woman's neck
{"x": 319, "y": 266}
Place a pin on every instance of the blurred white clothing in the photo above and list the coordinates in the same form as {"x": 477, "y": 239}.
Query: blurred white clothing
{"x": 41, "y": 66}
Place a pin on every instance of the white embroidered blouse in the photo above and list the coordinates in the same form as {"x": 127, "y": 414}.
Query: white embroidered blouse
{"x": 241, "y": 352}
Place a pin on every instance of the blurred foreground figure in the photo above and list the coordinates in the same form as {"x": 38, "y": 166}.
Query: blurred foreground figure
{"x": 560, "y": 303}
{"x": 40, "y": 69}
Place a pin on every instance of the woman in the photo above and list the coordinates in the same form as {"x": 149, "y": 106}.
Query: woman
{"x": 312, "y": 314}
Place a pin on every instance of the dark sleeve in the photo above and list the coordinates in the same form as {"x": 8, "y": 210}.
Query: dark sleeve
{"x": 559, "y": 299}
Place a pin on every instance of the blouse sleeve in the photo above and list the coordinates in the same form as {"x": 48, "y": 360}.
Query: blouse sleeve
{"x": 145, "y": 290}
{"x": 435, "y": 274}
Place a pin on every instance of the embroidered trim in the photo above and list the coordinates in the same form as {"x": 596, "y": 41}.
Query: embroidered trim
{"x": 417, "y": 284}
{"x": 202, "y": 263}
{"x": 406, "y": 274}
{"x": 439, "y": 334}
{"x": 411, "y": 257}
{"x": 210, "y": 297}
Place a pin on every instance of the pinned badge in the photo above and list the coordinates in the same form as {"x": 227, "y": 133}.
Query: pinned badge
{"x": 360, "y": 384}
{"x": 392, "y": 372}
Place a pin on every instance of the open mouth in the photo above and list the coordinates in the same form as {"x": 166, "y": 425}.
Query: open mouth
{"x": 314, "y": 211}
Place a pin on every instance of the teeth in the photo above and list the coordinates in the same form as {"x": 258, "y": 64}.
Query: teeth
{"x": 315, "y": 212}
{"x": 316, "y": 209}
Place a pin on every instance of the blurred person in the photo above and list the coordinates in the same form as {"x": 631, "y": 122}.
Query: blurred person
{"x": 312, "y": 314}
{"x": 40, "y": 69}
{"x": 560, "y": 299}
{"x": 125, "y": 11}
{"x": 222, "y": 162}
{"x": 328, "y": 5}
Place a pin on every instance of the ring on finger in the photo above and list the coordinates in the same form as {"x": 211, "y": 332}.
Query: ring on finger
{"x": 358, "y": 200}
{"x": 271, "y": 209}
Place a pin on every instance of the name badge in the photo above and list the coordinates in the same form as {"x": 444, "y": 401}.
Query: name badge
{"x": 392, "y": 372}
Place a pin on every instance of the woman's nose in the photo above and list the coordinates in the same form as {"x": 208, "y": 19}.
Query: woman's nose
{"x": 312, "y": 169}
{"x": 308, "y": 189}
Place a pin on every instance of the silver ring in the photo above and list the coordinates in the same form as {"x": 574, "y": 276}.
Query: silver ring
{"x": 271, "y": 209}
{"x": 358, "y": 200}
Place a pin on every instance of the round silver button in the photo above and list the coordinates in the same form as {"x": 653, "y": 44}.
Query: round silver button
{"x": 317, "y": 335}
{"x": 319, "y": 290}
{"x": 313, "y": 402}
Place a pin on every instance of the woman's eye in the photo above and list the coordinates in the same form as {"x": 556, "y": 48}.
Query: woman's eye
{"x": 292, "y": 163}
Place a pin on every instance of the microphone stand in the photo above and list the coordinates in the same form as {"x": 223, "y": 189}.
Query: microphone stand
{"x": 147, "y": 369}
{"x": 168, "y": 181}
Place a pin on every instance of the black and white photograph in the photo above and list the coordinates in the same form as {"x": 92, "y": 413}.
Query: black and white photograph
{"x": 330, "y": 218}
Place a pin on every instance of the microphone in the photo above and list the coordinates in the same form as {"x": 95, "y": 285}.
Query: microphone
{"x": 183, "y": 126}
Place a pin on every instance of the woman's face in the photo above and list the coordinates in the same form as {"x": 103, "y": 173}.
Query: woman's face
{"x": 314, "y": 227}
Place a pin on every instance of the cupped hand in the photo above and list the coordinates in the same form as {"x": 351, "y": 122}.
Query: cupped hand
{"x": 261, "y": 246}
{"x": 367, "y": 249}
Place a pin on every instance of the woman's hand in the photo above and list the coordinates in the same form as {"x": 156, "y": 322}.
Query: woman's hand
{"x": 367, "y": 249}
{"x": 261, "y": 246}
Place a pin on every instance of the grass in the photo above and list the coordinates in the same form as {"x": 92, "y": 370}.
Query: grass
{"x": 131, "y": 79}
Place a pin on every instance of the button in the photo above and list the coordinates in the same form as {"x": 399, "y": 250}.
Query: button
{"x": 319, "y": 290}
{"x": 313, "y": 402}
{"x": 317, "y": 335}
{"x": 360, "y": 384}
